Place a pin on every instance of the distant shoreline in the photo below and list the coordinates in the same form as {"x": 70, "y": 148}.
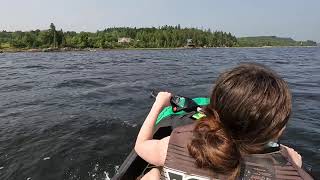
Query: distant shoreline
{"x": 8, "y": 50}
{"x": 124, "y": 38}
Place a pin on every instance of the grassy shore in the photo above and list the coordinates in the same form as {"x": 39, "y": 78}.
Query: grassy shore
{"x": 16, "y": 50}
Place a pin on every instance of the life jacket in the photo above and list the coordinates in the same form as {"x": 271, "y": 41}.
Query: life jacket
{"x": 179, "y": 165}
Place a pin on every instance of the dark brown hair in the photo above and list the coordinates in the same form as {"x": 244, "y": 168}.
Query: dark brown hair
{"x": 249, "y": 106}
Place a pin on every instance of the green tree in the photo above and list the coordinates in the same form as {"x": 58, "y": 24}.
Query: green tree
{"x": 165, "y": 36}
{"x": 53, "y": 33}
{"x": 83, "y": 40}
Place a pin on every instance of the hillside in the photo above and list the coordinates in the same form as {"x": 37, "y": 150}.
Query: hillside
{"x": 260, "y": 41}
{"x": 117, "y": 37}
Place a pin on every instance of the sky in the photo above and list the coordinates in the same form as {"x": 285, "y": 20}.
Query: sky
{"x": 299, "y": 19}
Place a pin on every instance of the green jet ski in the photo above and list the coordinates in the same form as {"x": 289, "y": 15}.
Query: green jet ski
{"x": 182, "y": 111}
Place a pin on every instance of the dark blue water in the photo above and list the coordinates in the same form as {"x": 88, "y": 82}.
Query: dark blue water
{"x": 75, "y": 115}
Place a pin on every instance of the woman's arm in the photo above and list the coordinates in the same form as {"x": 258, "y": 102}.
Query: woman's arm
{"x": 153, "y": 151}
{"x": 153, "y": 174}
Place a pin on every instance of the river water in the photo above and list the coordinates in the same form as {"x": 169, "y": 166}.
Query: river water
{"x": 75, "y": 115}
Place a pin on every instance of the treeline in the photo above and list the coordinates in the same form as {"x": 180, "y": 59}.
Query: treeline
{"x": 161, "y": 37}
{"x": 261, "y": 41}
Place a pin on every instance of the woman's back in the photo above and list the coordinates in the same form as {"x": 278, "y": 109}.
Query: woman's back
{"x": 274, "y": 164}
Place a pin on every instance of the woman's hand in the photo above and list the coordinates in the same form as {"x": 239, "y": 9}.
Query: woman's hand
{"x": 296, "y": 157}
{"x": 163, "y": 99}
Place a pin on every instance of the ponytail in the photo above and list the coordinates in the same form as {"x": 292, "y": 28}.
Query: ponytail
{"x": 212, "y": 147}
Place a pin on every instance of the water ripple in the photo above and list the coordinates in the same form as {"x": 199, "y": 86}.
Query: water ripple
{"x": 83, "y": 109}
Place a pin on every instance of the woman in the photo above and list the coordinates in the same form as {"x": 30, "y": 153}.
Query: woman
{"x": 249, "y": 108}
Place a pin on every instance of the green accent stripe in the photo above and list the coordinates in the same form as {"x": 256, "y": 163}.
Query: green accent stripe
{"x": 167, "y": 111}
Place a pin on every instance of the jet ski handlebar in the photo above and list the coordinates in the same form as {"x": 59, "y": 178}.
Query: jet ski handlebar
{"x": 179, "y": 103}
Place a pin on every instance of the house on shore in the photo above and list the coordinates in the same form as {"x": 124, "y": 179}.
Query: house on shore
{"x": 190, "y": 44}
{"x": 124, "y": 40}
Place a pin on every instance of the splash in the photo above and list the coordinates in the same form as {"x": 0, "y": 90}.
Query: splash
{"x": 46, "y": 158}
{"x": 106, "y": 174}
